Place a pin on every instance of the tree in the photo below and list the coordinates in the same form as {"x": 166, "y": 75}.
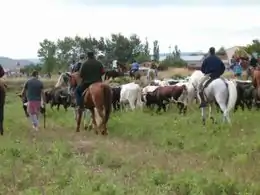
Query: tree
{"x": 47, "y": 55}
{"x": 174, "y": 60}
{"x": 156, "y": 51}
{"x": 146, "y": 48}
{"x": 221, "y": 51}
{"x": 254, "y": 47}
{"x": 176, "y": 53}
{"x": 57, "y": 56}
{"x": 65, "y": 52}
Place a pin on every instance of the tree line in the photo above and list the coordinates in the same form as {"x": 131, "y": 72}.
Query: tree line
{"x": 57, "y": 55}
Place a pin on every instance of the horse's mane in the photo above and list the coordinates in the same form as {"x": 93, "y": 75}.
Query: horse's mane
{"x": 59, "y": 82}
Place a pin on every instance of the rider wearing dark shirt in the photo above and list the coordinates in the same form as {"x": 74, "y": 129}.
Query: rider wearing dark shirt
{"x": 213, "y": 68}
{"x": 91, "y": 71}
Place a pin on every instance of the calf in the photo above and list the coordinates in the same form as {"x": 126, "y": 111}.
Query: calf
{"x": 245, "y": 96}
{"x": 116, "y": 97}
{"x": 57, "y": 97}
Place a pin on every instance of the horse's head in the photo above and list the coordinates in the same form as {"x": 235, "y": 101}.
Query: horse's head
{"x": 63, "y": 79}
{"x": 47, "y": 95}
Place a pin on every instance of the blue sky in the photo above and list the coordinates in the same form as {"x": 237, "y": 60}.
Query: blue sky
{"x": 193, "y": 27}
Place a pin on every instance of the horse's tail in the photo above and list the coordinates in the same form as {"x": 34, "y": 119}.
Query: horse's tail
{"x": 258, "y": 92}
{"x": 232, "y": 98}
{"x": 107, "y": 101}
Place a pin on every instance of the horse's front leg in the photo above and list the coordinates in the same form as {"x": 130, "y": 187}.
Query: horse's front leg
{"x": 94, "y": 123}
{"x": 79, "y": 119}
{"x": 87, "y": 123}
{"x": 75, "y": 114}
{"x": 203, "y": 115}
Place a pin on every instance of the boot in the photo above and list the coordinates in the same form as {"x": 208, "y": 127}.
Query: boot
{"x": 203, "y": 103}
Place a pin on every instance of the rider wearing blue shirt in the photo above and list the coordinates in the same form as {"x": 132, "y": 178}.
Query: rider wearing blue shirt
{"x": 213, "y": 68}
{"x": 77, "y": 66}
{"x": 134, "y": 66}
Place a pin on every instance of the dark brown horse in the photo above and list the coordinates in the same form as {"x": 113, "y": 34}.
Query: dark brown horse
{"x": 2, "y": 100}
{"x": 116, "y": 73}
{"x": 256, "y": 82}
{"x": 98, "y": 99}
{"x": 135, "y": 75}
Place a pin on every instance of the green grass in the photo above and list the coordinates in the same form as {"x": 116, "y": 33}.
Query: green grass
{"x": 144, "y": 153}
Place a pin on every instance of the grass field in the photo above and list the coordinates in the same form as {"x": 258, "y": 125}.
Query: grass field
{"x": 143, "y": 154}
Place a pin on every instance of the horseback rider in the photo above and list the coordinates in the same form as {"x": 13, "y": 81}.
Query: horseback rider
{"x": 253, "y": 62}
{"x": 153, "y": 66}
{"x": 71, "y": 66}
{"x": 134, "y": 67}
{"x": 77, "y": 66}
{"x": 91, "y": 71}
{"x": 213, "y": 68}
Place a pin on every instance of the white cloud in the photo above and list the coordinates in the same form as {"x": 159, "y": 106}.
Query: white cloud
{"x": 192, "y": 29}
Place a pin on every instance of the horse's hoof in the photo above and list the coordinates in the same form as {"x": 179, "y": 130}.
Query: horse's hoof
{"x": 104, "y": 133}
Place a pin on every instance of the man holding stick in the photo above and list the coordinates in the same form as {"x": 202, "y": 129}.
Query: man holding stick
{"x": 33, "y": 89}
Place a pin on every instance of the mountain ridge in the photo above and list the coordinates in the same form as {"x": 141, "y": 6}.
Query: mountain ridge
{"x": 10, "y": 63}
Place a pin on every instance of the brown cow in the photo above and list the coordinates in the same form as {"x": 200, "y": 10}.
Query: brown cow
{"x": 166, "y": 94}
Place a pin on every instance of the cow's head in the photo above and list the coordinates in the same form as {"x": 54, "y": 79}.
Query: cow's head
{"x": 47, "y": 96}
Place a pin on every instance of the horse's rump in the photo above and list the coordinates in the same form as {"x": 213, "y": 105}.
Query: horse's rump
{"x": 99, "y": 96}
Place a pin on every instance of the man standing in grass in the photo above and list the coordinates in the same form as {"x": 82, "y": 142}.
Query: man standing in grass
{"x": 33, "y": 89}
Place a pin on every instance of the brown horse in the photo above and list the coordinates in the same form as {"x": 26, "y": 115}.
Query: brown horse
{"x": 98, "y": 99}
{"x": 256, "y": 81}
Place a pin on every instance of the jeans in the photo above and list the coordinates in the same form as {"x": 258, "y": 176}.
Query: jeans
{"x": 203, "y": 79}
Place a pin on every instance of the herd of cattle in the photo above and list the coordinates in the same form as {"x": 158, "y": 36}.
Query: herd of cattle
{"x": 160, "y": 93}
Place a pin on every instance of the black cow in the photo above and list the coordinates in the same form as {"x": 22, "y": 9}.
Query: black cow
{"x": 116, "y": 97}
{"x": 245, "y": 96}
{"x": 57, "y": 97}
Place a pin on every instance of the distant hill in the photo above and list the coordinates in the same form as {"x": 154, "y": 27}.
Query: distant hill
{"x": 10, "y": 63}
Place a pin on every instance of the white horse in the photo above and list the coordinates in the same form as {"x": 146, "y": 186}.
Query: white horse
{"x": 151, "y": 74}
{"x": 131, "y": 93}
{"x": 221, "y": 90}
{"x": 63, "y": 81}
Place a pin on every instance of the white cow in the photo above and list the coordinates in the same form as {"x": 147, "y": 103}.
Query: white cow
{"x": 131, "y": 93}
{"x": 161, "y": 83}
